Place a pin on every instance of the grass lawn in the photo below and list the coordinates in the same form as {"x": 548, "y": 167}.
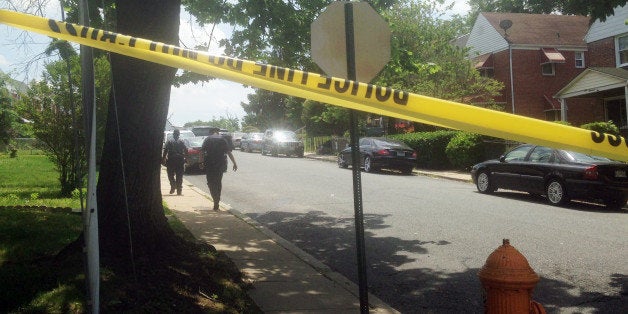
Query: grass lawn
{"x": 35, "y": 279}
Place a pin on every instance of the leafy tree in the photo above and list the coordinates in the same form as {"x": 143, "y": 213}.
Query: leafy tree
{"x": 7, "y": 114}
{"x": 229, "y": 123}
{"x": 50, "y": 104}
{"x": 275, "y": 32}
{"x": 600, "y": 9}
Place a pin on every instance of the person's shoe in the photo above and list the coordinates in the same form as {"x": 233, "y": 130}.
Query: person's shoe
{"x": 178, "y": 192}
{"x": 171, "y": 190}
{"x": 216, "y": 208}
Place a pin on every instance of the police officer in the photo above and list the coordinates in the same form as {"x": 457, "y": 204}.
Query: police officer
{"x": 174, "y": 159}
{"x": 213, "y": 160}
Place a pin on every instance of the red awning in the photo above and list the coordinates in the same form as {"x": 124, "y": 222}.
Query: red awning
{"x": 551, "y": 55}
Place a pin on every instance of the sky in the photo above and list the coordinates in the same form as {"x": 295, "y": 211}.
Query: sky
{"x": 188, "y": 103}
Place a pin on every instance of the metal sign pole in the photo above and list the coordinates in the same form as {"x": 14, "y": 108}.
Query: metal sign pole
{"x": 355, "y": 158}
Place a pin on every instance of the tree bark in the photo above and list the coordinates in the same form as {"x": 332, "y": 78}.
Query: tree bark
{"x": 132, "y": 223}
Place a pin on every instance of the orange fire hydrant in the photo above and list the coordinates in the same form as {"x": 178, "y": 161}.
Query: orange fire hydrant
{"x": 508, "y": 281}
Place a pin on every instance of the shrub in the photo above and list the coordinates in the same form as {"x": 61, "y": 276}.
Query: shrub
{"x": 465, "y": 149}
{"x": 430, "y": 147}
{"x": 602, "y": 127}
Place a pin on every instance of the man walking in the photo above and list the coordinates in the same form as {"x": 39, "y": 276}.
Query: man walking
{"x": 212, "y": 158}
{"x": 174, "y": 159}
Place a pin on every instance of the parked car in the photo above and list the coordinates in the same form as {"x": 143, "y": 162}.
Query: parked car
{"x": 378, "y": 153}
{"x": 560, "y": 175}
{"x": 237, "y": 139}
{"x": 193, "y": 145}
{"x": 183, "y": 134}
{"x": 204, "y": 131}
{"x": 251, "y": 142}
{"x": 277, "y": 142}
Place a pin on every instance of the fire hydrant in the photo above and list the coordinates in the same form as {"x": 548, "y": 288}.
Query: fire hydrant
{"x": 508, "y": 281}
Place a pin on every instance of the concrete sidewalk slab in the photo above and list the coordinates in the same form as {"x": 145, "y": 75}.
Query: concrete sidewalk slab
{"x": 285, "y": 279}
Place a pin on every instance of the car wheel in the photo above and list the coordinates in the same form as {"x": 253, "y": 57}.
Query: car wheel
{"x": 556, "y": 193}
{"x": 273, "y": 152}
{"x": 484, "y": 184}
{"x": 248, "y": 149}
{"x": 368, "y": 167}
{"x": 263, "y": 150}
{"x": 616, "y": 202}
{"x": 407, "y": 170}
{"x": 300, "y": 154}
{"x": 342, "y": 163}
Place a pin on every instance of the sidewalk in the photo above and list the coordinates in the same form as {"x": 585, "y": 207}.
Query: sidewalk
{"x": 285, "y": 278}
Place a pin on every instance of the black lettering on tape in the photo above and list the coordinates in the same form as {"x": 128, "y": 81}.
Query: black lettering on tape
{"x": 132, "y": 41}
{"x": 53, "y": 26}
{"x": 382, "y": 97}
{"x": 290, "y": 75}
{"x": 109, "y": 36}
{"x": 84, "y": 31}
{"x": 343, "y": 88}
{"x": 354, "y": 90}
{"x": 176, "y": 50}
{"x": 304, "y": 78}
{"x": 234, "y": 64}
{"x": 165, "y": 48}
{"x": 369, "y": 91}
{"x": 597, "y": 137}
{"x": 71, "y": 30}
{"x": 401, "y": 97}
{"x": 95, "y": 34}
{"x": 326, "y": 84}
{"x": 152, "y": 46}
{"x": 613, "y": 140}
{"x": 262, "y": 69}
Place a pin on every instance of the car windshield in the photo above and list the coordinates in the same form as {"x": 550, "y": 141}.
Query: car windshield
{"x": 584, "y": 158}
{"x": 256, "y": 136}
{"x": 194, "y": 141}
{"x": 285, "y": 136}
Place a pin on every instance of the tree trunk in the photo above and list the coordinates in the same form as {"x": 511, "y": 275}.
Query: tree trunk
{"x": 130, "y": 211}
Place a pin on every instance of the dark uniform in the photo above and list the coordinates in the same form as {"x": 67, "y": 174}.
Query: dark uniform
{"x": 215, "y": 149}
{"x": 175, "y": 151}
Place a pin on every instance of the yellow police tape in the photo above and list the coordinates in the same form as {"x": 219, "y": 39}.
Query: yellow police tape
{"x": 336, "y": 91}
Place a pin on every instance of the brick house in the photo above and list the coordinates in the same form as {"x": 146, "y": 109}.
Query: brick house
{"x": 605, "y": 82}
{"x": 534, "y": 56}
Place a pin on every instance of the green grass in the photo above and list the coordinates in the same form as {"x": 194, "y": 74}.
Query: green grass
{"x": 34, "y": 279}
{"x": 31, "y": 180}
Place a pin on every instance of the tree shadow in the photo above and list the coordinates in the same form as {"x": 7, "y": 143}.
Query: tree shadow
{"x": 418, "y": 290}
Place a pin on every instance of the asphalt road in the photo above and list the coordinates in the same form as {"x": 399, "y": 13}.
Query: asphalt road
{"x": 427, "y": 238}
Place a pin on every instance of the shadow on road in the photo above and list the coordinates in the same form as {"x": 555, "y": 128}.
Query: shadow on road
{"x": 420, "y": 290}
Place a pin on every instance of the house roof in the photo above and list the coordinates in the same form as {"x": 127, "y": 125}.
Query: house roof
{"x": 594, "y": 80}
{"x": 542, "y": 30}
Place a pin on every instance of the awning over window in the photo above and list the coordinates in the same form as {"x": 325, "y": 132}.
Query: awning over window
{"x": 484, "y": 61}
{"x": 551, "y": 55}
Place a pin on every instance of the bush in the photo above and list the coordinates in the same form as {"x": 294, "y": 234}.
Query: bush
{"x": 430, "y": 147}
{"x": 465, "y": 150}
{"x": 602, "y": 127}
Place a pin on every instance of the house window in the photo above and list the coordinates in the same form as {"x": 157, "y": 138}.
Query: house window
{"x": 622, "y": 50}
{"x": 579, "y": 59}
{"x": 547, "y": 69}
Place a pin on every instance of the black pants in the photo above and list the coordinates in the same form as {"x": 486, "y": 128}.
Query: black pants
{"x": 214, "y": 182}
{"x": 175, "y": 175}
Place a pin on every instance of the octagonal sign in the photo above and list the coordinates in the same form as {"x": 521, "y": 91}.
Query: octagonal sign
{"x": 371, "y": 41}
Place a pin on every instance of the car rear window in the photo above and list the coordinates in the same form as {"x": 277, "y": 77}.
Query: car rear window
{"x": 584, "y": 158}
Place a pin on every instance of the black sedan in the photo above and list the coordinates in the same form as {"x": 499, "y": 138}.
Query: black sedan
{"x": 558, "y": 174}
{"x": 378, "y": 152}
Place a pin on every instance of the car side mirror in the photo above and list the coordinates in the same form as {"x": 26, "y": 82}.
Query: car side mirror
{"x": 502, "y": 158}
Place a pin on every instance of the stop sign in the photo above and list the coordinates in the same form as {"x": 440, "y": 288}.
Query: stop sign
{"x": 371, "y": 41}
